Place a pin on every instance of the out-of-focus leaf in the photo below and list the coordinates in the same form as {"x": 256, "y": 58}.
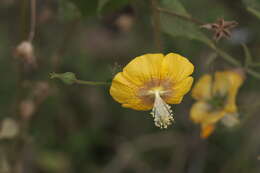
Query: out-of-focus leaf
{"x": 86, "y": 7}
{"x": 92, "y": 7}
{"x": 253, "y": 6}
{"x": 53, "y": 162}
{"x": 101, "y": 4}
{"x": 4, "y": 165}
{"x": 67, "y": 11}
{"x": 253, "y": 11}
{"x": 179, "y": 27}
{"x": 110, "y": 5}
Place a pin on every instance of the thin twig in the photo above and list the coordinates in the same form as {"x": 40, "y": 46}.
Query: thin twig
{"x": 227, "y": 57}
{"x": 156, "y": 25}
{"x": 32, "y": 20}
{"x": 187, "y": 18}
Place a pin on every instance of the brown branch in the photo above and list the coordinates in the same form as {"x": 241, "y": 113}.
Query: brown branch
{"x": 156, "y": 24}
{"x": 32, "y": 20}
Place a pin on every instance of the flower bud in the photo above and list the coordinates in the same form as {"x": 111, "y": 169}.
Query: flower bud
{"x": 27, "y": 108}
{"x": 125, "y": 22}
{"x": 25, "y": 51}
{"x": 68, "y": 77}
{"x": 9, "y": 129}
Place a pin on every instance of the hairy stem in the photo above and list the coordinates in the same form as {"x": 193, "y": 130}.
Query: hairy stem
{"x": 91, "y": 82}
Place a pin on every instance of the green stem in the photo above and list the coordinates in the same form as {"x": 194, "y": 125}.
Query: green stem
{"x": 227, "y": 57}
{"x": 91, "y": 82}
{"x": 253, "y": 73}
{"x": 236, "y": 63}
{"x": 248, "y": 56}
{"x": 70, "y": 78}
{"x": 255, "y": 64}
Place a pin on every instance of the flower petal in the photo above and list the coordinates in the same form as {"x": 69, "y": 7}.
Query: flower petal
{"x": 235, "y": 81}
{"x": 201, "y": 113}
{"x": 125, "y": 92}
{"x": 176, "y": 67}
{"x": 214, "y": 117}
{"x": 179, "y": 90}
{"x": 202, "y": 89}
{"x": 207, "y": 130}
{"x": 144, "y": 69}
{"x": 221, "y": 83}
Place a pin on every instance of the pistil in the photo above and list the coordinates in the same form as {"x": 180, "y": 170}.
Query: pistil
{"x": 161, "y": 112}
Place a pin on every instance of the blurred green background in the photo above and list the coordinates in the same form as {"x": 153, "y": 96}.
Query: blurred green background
{"x": 50, "y": 127}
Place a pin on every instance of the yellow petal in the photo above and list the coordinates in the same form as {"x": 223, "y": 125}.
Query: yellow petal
{"x": 125, "y": 92}
{"x": 176, "y": 67}
{"x": 144, "y": 69}
{"x": 227, "y": 84}
{"x": 214, "y": 116}
{"x": 221, "y": 83}
{"x": 179, "y": 90}
{"x": 199, "y": 112}
{"x": 206, "y": 130}
{"x": 202, "y": 89}
{"x": 235, "y": 81}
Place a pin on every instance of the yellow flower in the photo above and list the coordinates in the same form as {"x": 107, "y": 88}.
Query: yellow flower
{"x": 216, "y": 100}
{"x": 152, "y": 81}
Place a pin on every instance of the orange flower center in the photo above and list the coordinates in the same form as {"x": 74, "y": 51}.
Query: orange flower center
{"x": 146, "y": 93}
{"x": 155, "y": 92}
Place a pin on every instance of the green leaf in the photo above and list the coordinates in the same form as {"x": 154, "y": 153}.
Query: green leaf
{"x": 93, "y": 7}
{"x": 86, "y": 7}
{"x": 105, "y": 6}
{"x": 254, "y": 12}
{"x": 179, "y": 27}
{"x": 67, "y": 11}
{"x": 101, "y": 4}
{"x": 253, "y": 6}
